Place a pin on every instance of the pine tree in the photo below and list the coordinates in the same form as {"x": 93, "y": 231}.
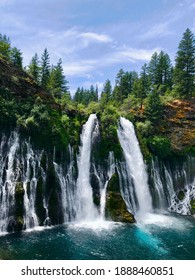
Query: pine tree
{"x": 16, "y": 57}
{"x": 184, "y": 73}
{"x": 141, "y": 85}
{"x": 57, "y": 83}
{"x": 160, "y": 71}
{"x": 153, "y": 108}
{"x": 96, "y": 93}
{"x": 45, "y": 69}
{"x": 34, "y": 68}
{"x": 164, "y": 69}
{"x": 5, "y": 46}
{"x": 153, "y": 69}
{"x": 106, "y": 92}
{"x": 124, "y": 84}
{"x": 78, "y": 95}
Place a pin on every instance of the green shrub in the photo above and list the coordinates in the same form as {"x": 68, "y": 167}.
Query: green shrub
{"x": 160, "y": 146}
{"x": 145, "y": 128}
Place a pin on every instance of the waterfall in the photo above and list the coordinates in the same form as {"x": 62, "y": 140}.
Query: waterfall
{"x": 8, "y": 178}
{"x": 67, "y": 185}
{"x": 169, "y": 182}
{"x": 183, "y": 206}
{"x": 30, "y": 176}
{"x": 135, "y": 166}
{"x": 111, "y": 171}
{"x": 126, "y": 187}
{"x": 162, "y": 192}
{"x": 86, "y": 210}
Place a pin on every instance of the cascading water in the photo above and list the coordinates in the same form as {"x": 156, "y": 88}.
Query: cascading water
{"x": 8, "y": 178}
{"x": 135, "y": 166}
{"x": 24, "y": 176}
{"x": 30, "y": 185}
{"x": 169, "y": 182}
{"x": 163, "y": 185}
{"x": 20, "y": 171}
{"x": 111, "y": 171}
{"x": 86, "y": 210}
{"x": 67, "y": 184}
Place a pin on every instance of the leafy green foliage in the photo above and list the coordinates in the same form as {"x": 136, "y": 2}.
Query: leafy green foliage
{"x": 153, "y": 108}
{"x": 160, "y": 146}
{"x": 41, "y": 106}
{"x": 145, "y": 128}
{"x": 109, "y": 123}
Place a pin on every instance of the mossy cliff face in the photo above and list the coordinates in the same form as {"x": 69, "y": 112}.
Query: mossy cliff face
{"x": 19, "y": 198}
{"x": 115, "y": 206}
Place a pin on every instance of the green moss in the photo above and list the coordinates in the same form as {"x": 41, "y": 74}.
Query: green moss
{"x": 19, "y": 206}
{"x": 113, "y": 184}
{"x": 116, "y": 208}
{"x": 19, "y": 190}
{"x": 20, "y": 223}
{"x": 181, "y": 195}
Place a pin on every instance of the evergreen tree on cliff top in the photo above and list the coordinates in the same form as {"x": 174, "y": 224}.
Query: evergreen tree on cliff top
{"x": 45, "y": 69}
{"x": 184, "y": 74}
{"x": 34, "y": 68}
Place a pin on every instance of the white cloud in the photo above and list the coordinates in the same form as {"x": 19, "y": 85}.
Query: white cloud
{"x": 138, "y": 54}
{"x": 94, "y": 37}
{"x": 85, "y": 68}
{"x": 159, "y": 30}
{"x": 126, "y": 54}
{"x": 79, "y": 68}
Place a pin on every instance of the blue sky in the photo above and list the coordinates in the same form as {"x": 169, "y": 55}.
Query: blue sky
{"x": 95, "y": 38}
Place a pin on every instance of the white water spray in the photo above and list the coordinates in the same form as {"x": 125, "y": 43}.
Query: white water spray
{"x": 135, "y": 166}
{"x": 111, "y": 171}
{"x": 8, "y": 178}
{"x": 86, "y": 210}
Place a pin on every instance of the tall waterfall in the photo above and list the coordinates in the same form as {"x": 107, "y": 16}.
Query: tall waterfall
{"x": 86, "y": 210}
{"x": 30, "y": 176}
{"x": 8, "y": 178}
{"x": 68, "y": 188}
{"x": 136, "y": 170}
{"x": 36, "y": 189}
